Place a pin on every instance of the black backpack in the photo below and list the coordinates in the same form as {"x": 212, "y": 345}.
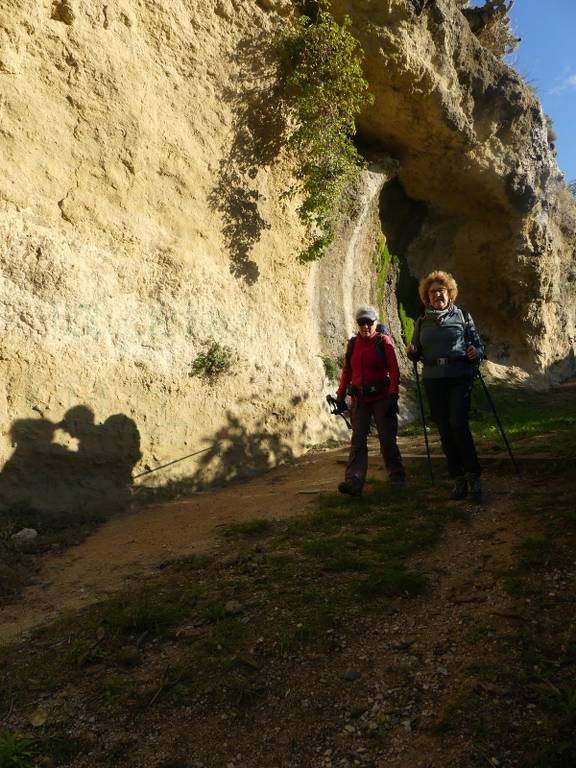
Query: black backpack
{"x": 380, "y": 346}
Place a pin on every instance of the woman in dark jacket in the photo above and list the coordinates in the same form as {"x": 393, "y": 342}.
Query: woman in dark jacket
{"x": 370, "y": 375}
{"x": 446, "y": 341}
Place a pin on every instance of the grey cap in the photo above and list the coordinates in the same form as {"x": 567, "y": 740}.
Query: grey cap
{"x": 366, "y": 312}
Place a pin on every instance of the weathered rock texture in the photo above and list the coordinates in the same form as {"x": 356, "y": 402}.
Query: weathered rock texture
{"x": 473, "y": 145}
{"x": 141, "y": 215}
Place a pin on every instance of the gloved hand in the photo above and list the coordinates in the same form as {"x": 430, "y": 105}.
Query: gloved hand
{"x": 472, "y": 353}
{"x": 341, "y": 404}
{"x": 392, "y": 405}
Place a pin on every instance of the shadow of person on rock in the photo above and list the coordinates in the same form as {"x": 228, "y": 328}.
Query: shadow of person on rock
{"x": 34, "y": 477}
{"x": 106, "y": 456}
{"x": 46, "y": 485}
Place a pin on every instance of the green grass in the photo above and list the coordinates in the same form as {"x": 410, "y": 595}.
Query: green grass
{"x": 534, "y": 422}
{"x": 523, "y": 413}
{"x": 535, "y": 554}
{"x": 15, "y": 751}
{"x": 256, "y": 527}
{"x": 150, "y": 611}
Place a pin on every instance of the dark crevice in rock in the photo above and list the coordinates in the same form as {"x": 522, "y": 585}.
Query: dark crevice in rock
{"x": 401, "y": 219}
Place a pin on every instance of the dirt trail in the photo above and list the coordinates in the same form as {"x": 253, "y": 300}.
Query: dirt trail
{"x": 132, "y": 546}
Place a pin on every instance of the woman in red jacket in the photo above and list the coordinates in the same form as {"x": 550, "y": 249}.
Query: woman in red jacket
{"x": 370, "y": 375}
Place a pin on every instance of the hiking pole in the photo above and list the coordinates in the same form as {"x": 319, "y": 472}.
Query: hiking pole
{"x": 501, "y": 428}
{"x": 335, "y": 411}
{"x": 421, "y": 403}
{"x": 175, "y": 461}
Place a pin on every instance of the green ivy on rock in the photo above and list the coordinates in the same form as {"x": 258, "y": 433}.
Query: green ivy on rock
{"x": 325, "y": 91}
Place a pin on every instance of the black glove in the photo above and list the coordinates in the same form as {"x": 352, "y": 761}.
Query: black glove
{"x": 340, "y": 404}
{"x": 392, "y": 405}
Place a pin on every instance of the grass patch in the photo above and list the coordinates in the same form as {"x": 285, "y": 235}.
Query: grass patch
{"x": 535, "y": 554}
{"x": 257, "y": 527}
{"x": 15, "y": 751}
{"x": 524, "y": 413}
{"x": 148, "y": 612}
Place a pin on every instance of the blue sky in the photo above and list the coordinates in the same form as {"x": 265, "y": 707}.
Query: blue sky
{"x": 546, "y": 58}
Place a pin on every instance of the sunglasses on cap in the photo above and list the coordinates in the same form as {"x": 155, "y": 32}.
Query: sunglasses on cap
{"x": 365, "y": 321}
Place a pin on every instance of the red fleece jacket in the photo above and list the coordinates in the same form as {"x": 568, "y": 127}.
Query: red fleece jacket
{"x": 367, "y": 366}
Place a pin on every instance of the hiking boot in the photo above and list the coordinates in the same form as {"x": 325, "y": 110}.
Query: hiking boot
{"x": 350, "y": 488}
{"x": 474, "y": 487}
{"x": 460, "y": 489}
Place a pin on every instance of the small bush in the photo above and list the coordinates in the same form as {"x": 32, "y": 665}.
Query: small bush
{"x": 217, "y": 359}
{"x": 332, "y": 367}
{"x": 15, "y": 752}
{"x": 407, "y": 324}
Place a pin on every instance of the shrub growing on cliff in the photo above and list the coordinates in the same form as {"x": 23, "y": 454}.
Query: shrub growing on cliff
{"x": 332, "y": 366}
{"x": 217, "y": 359}
{"x": 325, "y": 91}
{"x": 490, "y": 23}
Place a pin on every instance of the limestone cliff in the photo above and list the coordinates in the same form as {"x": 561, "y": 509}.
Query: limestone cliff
{"x": 137, "y": 224}
{"x": 141, "y": 215}
{"x": 473, "y": 147}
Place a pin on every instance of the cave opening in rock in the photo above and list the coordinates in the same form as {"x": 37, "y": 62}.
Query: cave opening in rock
{"x": 400, "y": 220}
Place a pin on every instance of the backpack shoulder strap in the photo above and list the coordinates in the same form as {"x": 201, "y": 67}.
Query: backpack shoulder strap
{"x": 416, "y": 332}
{"x": 350, "y": 349}
{"x": 381, "y": 347}
{"x": 466, "y": 319}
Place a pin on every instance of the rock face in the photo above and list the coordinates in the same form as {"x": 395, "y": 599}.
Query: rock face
{"x": 473, "y": 146}
{"x": 141, "y": 217}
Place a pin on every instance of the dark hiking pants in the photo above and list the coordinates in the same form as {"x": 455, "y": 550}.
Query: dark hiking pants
{"x": 387, "y": 426}
{"x": 449, "y": 400}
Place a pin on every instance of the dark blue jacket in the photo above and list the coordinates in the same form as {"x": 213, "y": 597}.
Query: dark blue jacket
{"x": 441, "y": 344}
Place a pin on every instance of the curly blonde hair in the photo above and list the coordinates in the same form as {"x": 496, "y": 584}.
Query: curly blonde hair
{"x": 437, "y": 276}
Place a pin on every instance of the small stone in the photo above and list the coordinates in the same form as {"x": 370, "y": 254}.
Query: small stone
{"x": 351, "y": 675}
{"x": 129, "y": 656}
{"x": 233, "y": 608}
{"x": 26, "y": 534}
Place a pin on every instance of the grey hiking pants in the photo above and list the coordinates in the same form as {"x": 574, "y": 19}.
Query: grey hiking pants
{"x": 387, "y": 426}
